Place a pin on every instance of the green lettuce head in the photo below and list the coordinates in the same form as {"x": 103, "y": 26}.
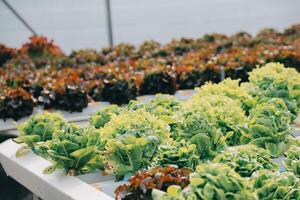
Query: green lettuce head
{"x": 246, "y": 159}
{"x": 101, "y": 117}
{"x": 39, "y": 128}
{"x": 276, "y": 81}
{"x": 183, "y": 154}
{"x": 196, "y": 129}
{"x": 269, "y": 126}
{"x": 210, "y": 181}
{"x": 229, "y": 88}
{"x": 292, "y": 160}
{"x": 163, "y": 106}
{"x": 223, "y": 113}
{"x": 270, "y": 185}
{"x": 76, "y": 149}
{"x": 132, "y": 138}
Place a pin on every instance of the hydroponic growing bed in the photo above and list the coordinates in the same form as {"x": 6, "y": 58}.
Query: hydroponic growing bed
{"x": 27, "y": 171}
{"x": 225, "y": 142}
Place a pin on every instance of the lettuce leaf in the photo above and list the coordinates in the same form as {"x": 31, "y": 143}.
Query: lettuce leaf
{"x": 269, "y": 126}
{"x": 182, "y": 154}
{"x": 76, "y": 149}
{"x": 246, "y": 159}
{"x": 101, "y": 117}
{"x": 276, "y": 81}
{"x": 210, "y": 181}
{"x": 163, "y": 106}
{"x": 292, "y": 160}
{"x": 132, "y": 138}
{"x": 270, "y": 185}
{"x": 196, "y": 129}
{"x": 222, "y": 113}
{"x": 229, "y": 88}
{"x": 38, "y": 129}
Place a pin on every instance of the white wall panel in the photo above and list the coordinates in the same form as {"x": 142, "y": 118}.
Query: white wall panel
{"x": 72, "y": 24}
{"x": 77, "y": 24}
{"x": 138, "y": 20}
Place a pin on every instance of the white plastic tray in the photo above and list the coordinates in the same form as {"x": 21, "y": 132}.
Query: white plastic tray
{"x": 27, "y": 170}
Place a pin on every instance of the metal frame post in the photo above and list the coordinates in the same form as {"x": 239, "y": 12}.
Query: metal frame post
{"x": 13, "y": 10}
{"x": 109, "y": 23}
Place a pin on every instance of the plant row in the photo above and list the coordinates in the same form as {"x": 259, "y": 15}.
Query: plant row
{"x": 222, "y": 141}
{"x": 118, "y": 74}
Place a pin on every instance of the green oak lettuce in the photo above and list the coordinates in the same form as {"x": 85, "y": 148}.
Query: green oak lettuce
{"x": 182, "y": 153}
{"x": 195, "y": 128}
{"x": 163, "y": 106}
{"x": 101, "y": 117}
{"x": 292, "y": 160}
{"x": 138, "y": 123}
{"x": 276, "y": 81}
{"x": 209, "y": 182}
{"x": 39, "y": 128}
{"x": 75, "y": 149}
{"x": 229, "y": 88}
{"x": 223, "y": 113}
{"x": 269, "y": 126}
{"x": 131, "y": 139}
{"x": 270, "y": 185}
{"x": 246, "y": 159}
{"x": 128, "y": 154}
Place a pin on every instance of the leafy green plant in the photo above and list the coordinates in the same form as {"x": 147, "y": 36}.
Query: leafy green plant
{"x": 210, "y": 181}
{"x": 246, "y": 159}
{"x": 229, "y": 88}
{"x": 276, "y": 81}
{"x": 163, "y": 106}
{"x": 101, "y": 117}
{"x": 269, "y": 126}
{"x": 196, "y": 129}
{"x": 292, "y": 160}
{"x": 182, "y": 154}
{"x": 274, "y": 185}
{"x": 127, "y": 154}
{"x": 222, "y": 112}
{"x": 39, "y": 128}
{"x": 132, "y": 139}
{"x": 75, "y": 149}
{"x": 138, "y": 123}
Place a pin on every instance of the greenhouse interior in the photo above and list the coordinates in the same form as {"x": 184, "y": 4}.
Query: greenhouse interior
{"x": 149, "y": 100}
